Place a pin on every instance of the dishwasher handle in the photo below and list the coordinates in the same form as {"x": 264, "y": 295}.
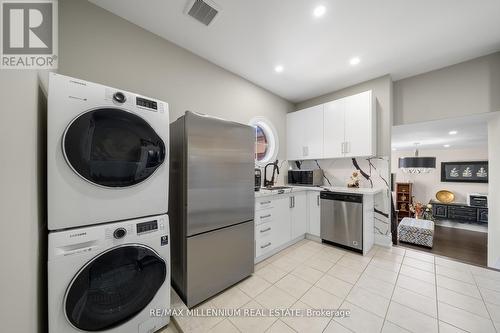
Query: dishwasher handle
{"x": 348, "y": 197}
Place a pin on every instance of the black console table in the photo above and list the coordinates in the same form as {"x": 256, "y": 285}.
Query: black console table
{"x": 459, "y": 212}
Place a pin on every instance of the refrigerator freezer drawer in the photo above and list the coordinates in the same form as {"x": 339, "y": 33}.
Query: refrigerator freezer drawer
{"x": 218, "y": 259}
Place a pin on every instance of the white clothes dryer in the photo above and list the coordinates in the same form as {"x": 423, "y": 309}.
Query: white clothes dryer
{"x": 107, "y": 154}
{"x": 112, "y": 277}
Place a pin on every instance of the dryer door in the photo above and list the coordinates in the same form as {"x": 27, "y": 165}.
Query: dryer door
{"x": 114, "y": 287}
{"x": 112, "y": 147}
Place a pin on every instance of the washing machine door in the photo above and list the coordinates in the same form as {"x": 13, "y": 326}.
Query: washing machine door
{"x": 112, "y": 147}
{"x": 114, "y": 287}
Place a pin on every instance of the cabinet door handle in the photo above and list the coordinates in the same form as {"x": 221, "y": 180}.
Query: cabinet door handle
{"x": 348, "y": 147}
{"x": 291, "y": 202}
{"x": 265, "y": 245}
{"x": 342, "y": 147}
{"x": 265, "y": 202}
{"x": 317, "y": 200}
{"x": 265, "y": 216}
{"x": 265, "y": 230}
{"x": 294, "y": 202}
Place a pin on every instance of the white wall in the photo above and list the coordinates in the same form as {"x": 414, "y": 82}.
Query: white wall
{"x": 494, "y": 193}
{"x": 426, "y": 185}
{"x": 22, "y": 216}
{"x": 96, "y": 45}
{"x": 459, "y": 90}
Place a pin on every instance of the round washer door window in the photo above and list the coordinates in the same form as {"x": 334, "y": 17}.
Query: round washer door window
{"x": 114, "y": 287}
{"x": 113, "y": 148}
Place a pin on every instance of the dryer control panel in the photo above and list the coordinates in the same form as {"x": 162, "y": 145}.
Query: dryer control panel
{"x": 146, "y": 103}
{"x": 149, "y": 226}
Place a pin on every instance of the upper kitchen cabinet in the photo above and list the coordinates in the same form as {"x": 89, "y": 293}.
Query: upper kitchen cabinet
{"x": 305, "y": 134}
{"x": 334, "y": 129}
{"x": 345, "y": 127}
{"x": 360, "y": 125}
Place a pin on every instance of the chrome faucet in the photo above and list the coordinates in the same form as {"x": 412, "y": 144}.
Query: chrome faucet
{"x": 270, "y": 183}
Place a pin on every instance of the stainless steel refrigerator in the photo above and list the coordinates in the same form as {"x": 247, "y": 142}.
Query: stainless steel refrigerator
{"x": 211, "y": 205}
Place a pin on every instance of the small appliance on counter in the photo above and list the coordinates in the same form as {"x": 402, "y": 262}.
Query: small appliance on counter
{"x": 312, "y": 177}
{"x": 477, "y": 200}
{"x": 258, "y": 179}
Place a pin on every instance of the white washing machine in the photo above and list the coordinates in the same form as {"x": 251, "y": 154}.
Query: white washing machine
{"x": 107, "y": 154}
{"x": 110, "y": 277}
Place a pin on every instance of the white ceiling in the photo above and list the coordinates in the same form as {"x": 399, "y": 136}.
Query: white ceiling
{"x": 471, "y": 131}
{"x": 397, "y": 37}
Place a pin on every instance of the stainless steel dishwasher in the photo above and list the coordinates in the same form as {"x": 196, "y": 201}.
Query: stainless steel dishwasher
{"x": 342, "y": 219}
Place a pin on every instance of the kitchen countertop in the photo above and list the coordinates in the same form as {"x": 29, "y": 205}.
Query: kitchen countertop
{"x": 293, "y": 189}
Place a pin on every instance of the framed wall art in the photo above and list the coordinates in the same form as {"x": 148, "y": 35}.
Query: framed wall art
{"x": 465, "y": 172}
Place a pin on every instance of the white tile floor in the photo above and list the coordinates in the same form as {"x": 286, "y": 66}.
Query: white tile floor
{"x": 390, "y": 290}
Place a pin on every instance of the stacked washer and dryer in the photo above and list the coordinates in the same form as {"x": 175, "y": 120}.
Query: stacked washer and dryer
{"x": 108, "y": 243}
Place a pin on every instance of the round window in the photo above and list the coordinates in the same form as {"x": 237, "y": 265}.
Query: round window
{"x": 261, "y": 144}
{"x": 266, "y": 141}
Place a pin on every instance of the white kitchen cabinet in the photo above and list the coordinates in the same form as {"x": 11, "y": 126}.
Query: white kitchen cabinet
{"x": 305, "y": 134}
{"x": 334, "y": 129}
{"x": 360, "y": 129}
{"x": 282, "y": 232}
{"x": 298, "y": 214}
{"x": 345, "y": 127}
{"x": 350, "y": 127}
{"x": 314, "y": 213}
{"x": 272, "y": 224}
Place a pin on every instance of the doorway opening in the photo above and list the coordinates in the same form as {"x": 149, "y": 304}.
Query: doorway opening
{"x": 440, "y": 175}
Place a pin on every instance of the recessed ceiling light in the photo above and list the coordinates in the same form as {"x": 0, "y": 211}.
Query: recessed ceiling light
{"x": 452, "y": 132}
{"x": 354, "y": 61}
{"x": 319, "y": 11}
{"x": 446, "y": 146}
{"x": 279, "y": 69}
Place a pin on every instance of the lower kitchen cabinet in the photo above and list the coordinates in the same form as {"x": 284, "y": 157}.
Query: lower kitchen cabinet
{"x": 314, "y": 213}
{"x": 298, "y": 214}
{"x": 282, "y": 232}
{"x": 272, "y": 224}
{"x": 279, "y": 219}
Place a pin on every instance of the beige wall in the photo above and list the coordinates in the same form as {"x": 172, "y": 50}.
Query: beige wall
{"x": 471, "y": 87}
{"x": 426, "y": 185}
{"x": 98, "y": 46}
{"x": 382, "y": 90}
{"x": 22, "y": 212}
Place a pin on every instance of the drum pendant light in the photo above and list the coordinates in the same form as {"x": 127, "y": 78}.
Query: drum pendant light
{"x": 417, "y": 164}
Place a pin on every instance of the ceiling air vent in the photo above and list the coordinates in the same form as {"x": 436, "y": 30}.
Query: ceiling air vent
{"x": 203, "y": 11}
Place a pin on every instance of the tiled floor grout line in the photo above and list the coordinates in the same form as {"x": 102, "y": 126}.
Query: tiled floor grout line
{"x": 345, "y": 298}
{"x": 302, "y": 262}
{"x": 484, "y": 302}
{"x": 314, "y": 284}
{"x": 437, "y": 300}
{"x": 393, "y": 290}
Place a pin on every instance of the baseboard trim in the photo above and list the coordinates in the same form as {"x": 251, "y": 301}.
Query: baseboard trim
{"x": 313, "y": 238}
{"x": 383, "y": 240}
